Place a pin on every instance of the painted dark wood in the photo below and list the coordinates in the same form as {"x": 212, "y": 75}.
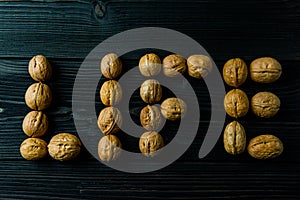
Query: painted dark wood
{"x": 66, "y": 31}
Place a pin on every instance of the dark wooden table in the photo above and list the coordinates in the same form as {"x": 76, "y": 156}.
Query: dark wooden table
{"x": 66, "y": 31}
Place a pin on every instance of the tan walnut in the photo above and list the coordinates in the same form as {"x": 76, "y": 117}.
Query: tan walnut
{"x": 33, "y": 149}
{"x": 35, "y": 124}
{"x": 110, "y": 93}
{"x": 150, "y": 65}
{"x": 199, "y": 66}
{"x": 265, "y": 104}
{"x": 111, "y": 66}
{"x": 265, "y": 70}
{"x": 174, "y": 65}
{"x": 109, "y": 148}
{"x": 235, "y": 72}
{"x": 173, "y": 108}
{"x": 109, "y": 120}
{"x": 64, "y": 146}
{"x": 234, "y": 138}
{"x": 39, "y": 68}
{"x": 265, "y": 147}
{"x": 236, "y": 103}
{"x": 38, "y": 96}
{"x": 150, "y": 143}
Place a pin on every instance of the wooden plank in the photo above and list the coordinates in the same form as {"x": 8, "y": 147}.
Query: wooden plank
{"x": 66, "y": 31}
{"x": 195, "y": 179}
{"x": 71, "y": 29}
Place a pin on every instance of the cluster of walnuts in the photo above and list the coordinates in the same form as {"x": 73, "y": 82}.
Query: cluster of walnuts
{"x": 263, "y": 104}
{"x": 150, "y": 65}
{"x": 38, "y": 97}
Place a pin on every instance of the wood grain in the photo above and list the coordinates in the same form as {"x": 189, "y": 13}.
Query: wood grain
{"x": 66, "y": 31}
{"x": 205, "y": 180}
{"x": 250, "y": 28}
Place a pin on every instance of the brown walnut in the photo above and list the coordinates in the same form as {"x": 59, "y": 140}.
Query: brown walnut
{"x": 265, "y": 104}
{"x": 151, "y": 91}
{"x": 64, "y": 146}
{"x": 111, "y": 66}
{"x": 33, "y": 149}
{"x": 109, "y": 148}
{"x": 38, "y": 96}
{"x": 235, "y": 72}
{"x": 109, "y": 120}
{"x": 173, "y": 108}
{"x": 150, "y": 143}
{"x": 265, "y": 147}
{"x": 234, "y": 138}
{"x": 174, "y": 65}
{"x": 150, "y": 65}
{"x": 39, "y": 68}
{"x": 265, "y": 70}
{"x": 35, "y": 124}
{"x": 199, "y": 66}
{"x": 236, "y": 103}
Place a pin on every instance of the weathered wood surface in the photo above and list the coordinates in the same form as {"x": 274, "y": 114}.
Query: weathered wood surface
{"x": 66, "y": 31}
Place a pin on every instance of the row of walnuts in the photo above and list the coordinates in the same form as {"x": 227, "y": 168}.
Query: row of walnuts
{"x": 63, "y": 146}
{"x": 110, "y": 118}
{"x": 263, "y": 104}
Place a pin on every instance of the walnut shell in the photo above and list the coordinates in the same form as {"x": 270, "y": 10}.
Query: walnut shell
{"x": 150, "y": 143}
{"x": 109, "y": 120}
{"x": 109, "y": 148}
{"x": 235, "y": 72}
{"x": 265, "y": 70}
{"x": 234, "y": 138}
{"x": 265, "y": 147}
{"x": 39, "y": 68}
{"x": 236, "y": 103}
{"x": 265, "y": 104}
{"x": 173, "y": 65}
{"x": 199, "y": 66}
{"x": 33, "y": 149}
{"x": 111, "y": 66}
{"x": 64, "y": 146}
{"x": 110, "y": 93}
{"x": 150, "y": 65}
{"x": 173, "y": 108}
{"x": 35, "y": 124}
{"x": 151, "y": 91}
{"x": 38, "y": 96}
{"x": 151, "y": 118}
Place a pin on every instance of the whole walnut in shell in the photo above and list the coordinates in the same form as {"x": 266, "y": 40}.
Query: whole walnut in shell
{"x": 38, "y": 96}
{"x": 109, "y": 148}
{"x": 265, "y": 104}
{"x": 199, "y": 66}
{"x": 39, "y": 68}
{"x": 111, "y": 66}
{"x": 150, "y": 65}
{"x": 110, "y": 93}
{"x": 64, "y": 146}
{"x": 151, "y": 118}
{"x": 150, "y": 142}
{"x": 33, "y": 149}
{"x": 236, "y": 103}
{"x": 110, "y": 120}
{"x": 174, "y": 65}
{"x": 235, "y": 72}
{"x": 265, "y": 146}
{"x": 173, "y": 108}
{"x": 151, "y": 91}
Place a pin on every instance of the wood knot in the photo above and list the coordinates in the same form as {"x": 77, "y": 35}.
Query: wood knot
{"x": 100, "y": 9}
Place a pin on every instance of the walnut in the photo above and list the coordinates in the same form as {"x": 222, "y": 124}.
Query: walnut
{"x": 64, "y": 146}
